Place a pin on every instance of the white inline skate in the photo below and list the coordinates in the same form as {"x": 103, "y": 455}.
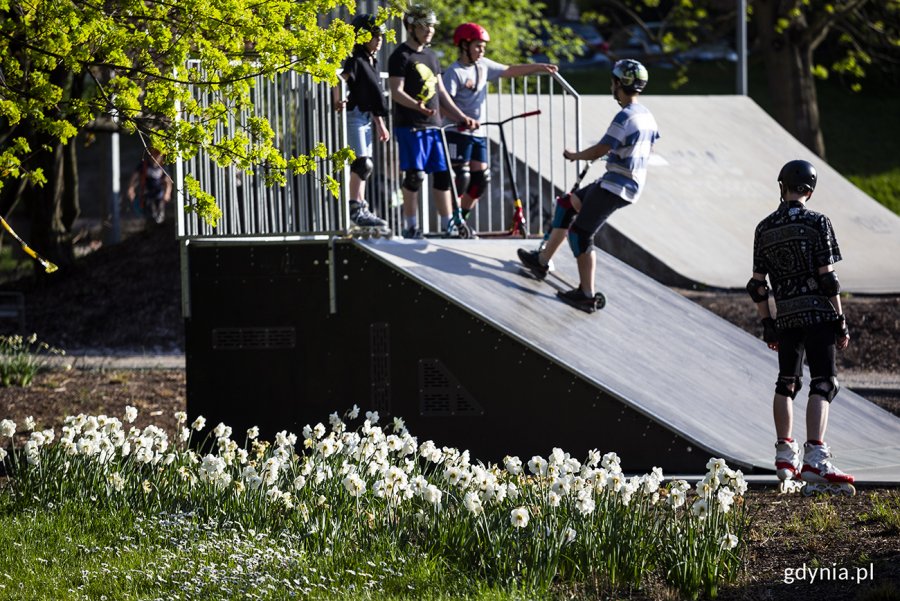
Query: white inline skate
{"x": 787, "y": 466}
{"x": 820, "y": 474}
{"x": 364, "y": 223}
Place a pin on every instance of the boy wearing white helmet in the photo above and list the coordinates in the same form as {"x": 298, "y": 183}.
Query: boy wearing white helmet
{"x": 627, "y": 144}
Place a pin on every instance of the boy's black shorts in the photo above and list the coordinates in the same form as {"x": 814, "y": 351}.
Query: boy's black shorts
{"x": 818, "y": 344}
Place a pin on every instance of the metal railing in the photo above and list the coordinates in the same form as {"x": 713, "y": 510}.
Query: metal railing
{"x": 302, "y": 115}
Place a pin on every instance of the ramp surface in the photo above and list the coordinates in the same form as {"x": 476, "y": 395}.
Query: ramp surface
{"x": 711, "y": 180}
{"x": 654, "y": 350}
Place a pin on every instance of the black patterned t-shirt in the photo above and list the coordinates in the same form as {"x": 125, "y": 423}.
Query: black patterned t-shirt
{"x": 790, "y": 246}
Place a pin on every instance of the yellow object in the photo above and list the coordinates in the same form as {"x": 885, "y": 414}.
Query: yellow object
{"x": 48, "y": 266}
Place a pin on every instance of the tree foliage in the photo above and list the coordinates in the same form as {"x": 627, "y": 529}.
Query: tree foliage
{"x": 67, "y": 65}
{"x": 796, "y": 40}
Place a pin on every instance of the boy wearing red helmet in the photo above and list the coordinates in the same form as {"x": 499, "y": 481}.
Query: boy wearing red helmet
{"x": 466, "y": 81}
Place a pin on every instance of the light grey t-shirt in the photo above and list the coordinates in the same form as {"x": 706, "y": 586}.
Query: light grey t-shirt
{"x": 467, "y": 85}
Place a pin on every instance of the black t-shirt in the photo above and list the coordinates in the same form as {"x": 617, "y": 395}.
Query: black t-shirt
{"x": 364, "y": 84}
{"x": 420, "y": 72}
{"x": 790, "y": 246}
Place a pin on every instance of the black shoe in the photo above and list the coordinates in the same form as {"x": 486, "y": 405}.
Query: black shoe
{"x": 531, "y": 260}
{"x": 579, "y": 300}
{"x": 412, "y": 233}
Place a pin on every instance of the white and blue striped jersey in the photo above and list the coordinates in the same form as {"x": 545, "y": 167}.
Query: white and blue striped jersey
{"x": 630, "y": 136}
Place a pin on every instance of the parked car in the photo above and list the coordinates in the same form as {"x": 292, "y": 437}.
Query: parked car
{"x": 634, "y": 41}
{"x": 590, "y": 52}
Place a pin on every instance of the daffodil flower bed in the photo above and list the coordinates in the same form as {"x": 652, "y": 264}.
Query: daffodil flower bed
{"x": 340, "y": 491}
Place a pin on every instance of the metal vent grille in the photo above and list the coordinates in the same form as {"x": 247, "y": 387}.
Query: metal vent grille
{"x": 380, "y": 359}
{"x": 230, "y": 339}
{"x": 441, "y": 394}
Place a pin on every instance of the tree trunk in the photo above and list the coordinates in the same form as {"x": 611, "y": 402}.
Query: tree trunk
{"x": 787, "y": 57}
{"x": 49, "y": 235}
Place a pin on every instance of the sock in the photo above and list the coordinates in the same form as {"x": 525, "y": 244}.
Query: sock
{"x": 445, "y": 221}
{"x": 412, "y": 222}
{"x": 785, "y": 440}
{"x": 816, "y": 442}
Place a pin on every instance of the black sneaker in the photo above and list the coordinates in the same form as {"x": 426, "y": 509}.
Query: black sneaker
{"x": 531, "y": 260}
{"x": 412, "y": 233}
{"x": 579, "y": 300}
{"x": 362, "y": 216}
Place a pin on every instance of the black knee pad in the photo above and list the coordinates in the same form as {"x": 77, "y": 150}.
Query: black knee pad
{"x": 463, "y": 176}
{"x": 442, "y": 181}
{"x": 783, "y": 386}
{"x": 580, "y": 241}
{"x": 480, "y": 180}
{"x": 412, "y": 179}
{"x": 363, "y": 167}
{"x": 824, "y": 387}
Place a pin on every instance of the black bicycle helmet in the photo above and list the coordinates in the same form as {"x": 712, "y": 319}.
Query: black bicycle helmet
{"x": 367, "y": 22}
{"x": 798, "y": 176}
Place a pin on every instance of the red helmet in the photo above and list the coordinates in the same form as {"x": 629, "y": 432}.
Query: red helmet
{"x": 470, "y": 32}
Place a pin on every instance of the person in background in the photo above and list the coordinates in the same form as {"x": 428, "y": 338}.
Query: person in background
{"x": 366, "y": 106}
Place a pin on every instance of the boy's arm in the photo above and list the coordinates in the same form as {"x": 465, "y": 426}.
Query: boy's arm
{"x": 588, "y": 154}
{"x": 528, "y": 69}
{"x": 842, "y": 340}
{"x": 759, "y": 292}
{"x": 399, "y": 95}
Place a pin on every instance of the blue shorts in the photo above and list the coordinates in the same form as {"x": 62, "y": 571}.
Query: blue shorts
{"x": 464, "y": 148}
{"x": 359, "y": 132}
{"x": 420, "y": 150}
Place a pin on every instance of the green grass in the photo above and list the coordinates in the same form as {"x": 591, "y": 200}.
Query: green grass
{"x": 859, "y": 128}
{"x": 886, "y": 512}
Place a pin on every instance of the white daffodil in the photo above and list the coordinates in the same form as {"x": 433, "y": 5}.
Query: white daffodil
{"x": 519, "y": 517}
{"x": 700, "y": 508}
{"x": 538, "y": 466}
{"x": 2, "y": 455}
{"x": 131, "y": 414}
{"x": 372, "y": 417}
{"x": 353, "y": 413}
{"x": 199, "y": 423}
{"x": 432, "y": 494}
{"x": 611, "y": 462}
{"x": 355, "y": 485}
{"x": 513, "y": 465}
{"x": 726, "y": 498}
{"x": 677, "y": 497}
{"x": 180, "y": 417}
{"x": 253, "y": 433}
{"x": 728, "y": 541}
{"x": 28, "y": 424}
{"x": 569, "y": 536}
{"x": 472, "y": 503}
{"x": 7, "y": 428}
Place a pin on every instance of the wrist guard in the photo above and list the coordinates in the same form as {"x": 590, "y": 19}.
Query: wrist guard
{"x": 753, "y": 289}
{"x": 841, "y": 330}
{"x": 770, "y": 332}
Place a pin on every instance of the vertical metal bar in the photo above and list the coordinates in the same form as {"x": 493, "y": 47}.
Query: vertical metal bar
{"x": 742, "y": 47}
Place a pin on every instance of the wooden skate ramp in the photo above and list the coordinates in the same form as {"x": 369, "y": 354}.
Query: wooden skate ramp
{"x": 711, "y": 180}
{"x": 654, "y": 351}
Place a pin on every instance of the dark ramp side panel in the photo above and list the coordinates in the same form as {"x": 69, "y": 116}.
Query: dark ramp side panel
{"x": 660, "y": 355}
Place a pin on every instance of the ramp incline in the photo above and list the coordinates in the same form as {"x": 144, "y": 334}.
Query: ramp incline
{"x": 652, "y": 349}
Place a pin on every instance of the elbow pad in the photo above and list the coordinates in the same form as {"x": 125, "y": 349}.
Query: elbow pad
{"x": 753, "y": 287}
{"x": 829, "y": 284}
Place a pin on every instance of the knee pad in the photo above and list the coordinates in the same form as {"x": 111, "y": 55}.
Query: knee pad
{"x": 463, "y": 176}
{"x": 479, "y": 184}
{"x": 580, "y": 241}
{"x": 412, "y": 179}
{"x": 563, "y": 215}
{"x": 783, "y": 386}
{"x": 824, "y": 387}
{"x": 443, "y": 181}
{"x": 363, "y": 167}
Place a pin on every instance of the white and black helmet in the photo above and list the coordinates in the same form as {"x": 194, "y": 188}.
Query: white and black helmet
{"x": 631, "y": 74}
